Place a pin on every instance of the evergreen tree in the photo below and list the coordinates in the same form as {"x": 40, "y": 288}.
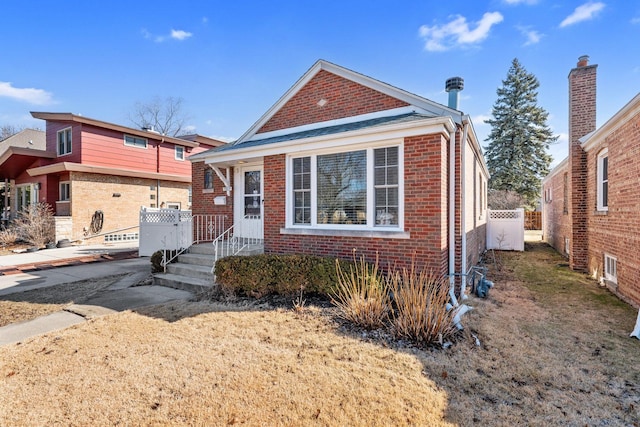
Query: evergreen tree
{"x": 517, "y": 152}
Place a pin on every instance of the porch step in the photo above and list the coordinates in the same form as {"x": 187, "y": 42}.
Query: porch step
{"x": 202, "y": 249}
{"x": 183, "y": 282}
{"x": 196, "y": 259}
{"x": 191, "y": 270}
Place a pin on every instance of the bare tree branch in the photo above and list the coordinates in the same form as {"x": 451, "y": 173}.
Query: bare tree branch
{"x": 162, "y": 115}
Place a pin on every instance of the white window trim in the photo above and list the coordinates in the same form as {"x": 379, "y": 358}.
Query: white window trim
{"x": 66, "y": 142}
{"x": 146, "y": 141}
{"x": 370, "y": 225}
{"x": 599, "y": 179}
{"x": 60, "y": 184}
{"x": 548, "y": 196}
{"x": 175, "y": 150}
{"x": 608, "y": 274}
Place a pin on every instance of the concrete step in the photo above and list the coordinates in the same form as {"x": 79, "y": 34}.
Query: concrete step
{"x": 196, "y": 259}
{"x": 191, "y": 270}
{"x": 182, "y": 282}
{"x": 202, "y": 249}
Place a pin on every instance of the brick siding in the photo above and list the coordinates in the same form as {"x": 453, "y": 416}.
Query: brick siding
{"x": 615, "y": 231}
{"x": 344, "y": 98}
{"x": 93, "y": 192}
{"x": 425, "y": 213}
{"x": 582, "y": 120}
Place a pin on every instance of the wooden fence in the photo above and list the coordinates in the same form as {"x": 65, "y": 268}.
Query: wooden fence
{"x": 533, "y": 220}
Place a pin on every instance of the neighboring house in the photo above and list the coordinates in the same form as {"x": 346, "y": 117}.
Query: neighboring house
{"x": 96, "y": 175}
{"x": 346, "y": 164}
{"x": 592, "y": 199}
{"x": 20, "y": 148}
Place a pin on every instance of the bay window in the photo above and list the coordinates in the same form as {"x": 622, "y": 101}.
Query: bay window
{"x": 358, "y": 189}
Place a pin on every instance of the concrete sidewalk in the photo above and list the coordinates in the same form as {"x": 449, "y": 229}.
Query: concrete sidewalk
{"x": 76, "y": 254}
{"x": 121, "y": 295}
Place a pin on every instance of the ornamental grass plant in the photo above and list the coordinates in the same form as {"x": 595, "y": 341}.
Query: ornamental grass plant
{"x": 420, "y": 306}
{"x": 361, "y": 295}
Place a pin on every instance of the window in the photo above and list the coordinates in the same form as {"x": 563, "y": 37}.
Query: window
{"x": 341, "y": 192}
{"x": 565, "y": 194}
{"x": 386, "y": 185}
{"x": 567, "y": 248}
{"x": 135, "y": 141}
{"x": 179, "y": 152}
{"x": 64, "y": 142}
{"x": 603, "y": 181}
{"x": 610, "y": 268}
{"x": 547, "y": 195}
{"x": 302, "y": 190}
{"x": 207, "y": 185}
{"x": 64, "y": 192}
{"x": 354, "y": 189}
{"x": 173, "y": 205}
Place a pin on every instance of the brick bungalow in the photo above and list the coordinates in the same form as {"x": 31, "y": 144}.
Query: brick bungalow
{"x": 344, "y": 162}
{"x": 591, "y": 209}
{"x": 89, "y": 166}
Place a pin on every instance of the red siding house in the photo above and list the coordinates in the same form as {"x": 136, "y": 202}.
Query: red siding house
{"x": 97, "y": 173}
{"x": 342, "y": 163}
{"x": 591, "y": 209}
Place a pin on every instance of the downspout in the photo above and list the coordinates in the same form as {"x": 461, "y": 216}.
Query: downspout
{"x": 452, "y": 216}
{"x": 463, "y": 209}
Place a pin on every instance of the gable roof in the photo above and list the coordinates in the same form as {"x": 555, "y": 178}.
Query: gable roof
{"x": 418, "y": 103}
{"x": 70, "y": 117}
{"x": 26, "y": 138}
{"x": 21, "y": 150}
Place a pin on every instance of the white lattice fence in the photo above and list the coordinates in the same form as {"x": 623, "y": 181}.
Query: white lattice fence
{"x": 164, "y": 229}
{"x": 505, "y": 230}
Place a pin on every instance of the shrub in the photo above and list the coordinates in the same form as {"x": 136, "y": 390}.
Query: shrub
{"x": 8, "y": 237}
{"x": 156, "y": 260}
{"x": 361, "y": 295}
{"x": 35, "y": 224}
{"x": 265, "y": 274}
{"x": 420, "y": 300}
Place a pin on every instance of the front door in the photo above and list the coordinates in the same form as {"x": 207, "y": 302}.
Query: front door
{"x": 248, "y": 202}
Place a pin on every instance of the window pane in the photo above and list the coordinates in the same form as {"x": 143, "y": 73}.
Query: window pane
{"x": 605, "y": 194}
{"x": 252, "y": 182}
{"x": 342, "y": 189}
{"x": 386, "y": 186}
{"x": 605, "y": 168}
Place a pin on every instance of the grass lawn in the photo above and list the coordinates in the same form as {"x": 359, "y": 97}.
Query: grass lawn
{"x": 555, "y": 350}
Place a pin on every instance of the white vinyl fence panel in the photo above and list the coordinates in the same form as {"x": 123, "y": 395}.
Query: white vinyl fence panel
{"x": 164, "y": 229}
{"x": 505, "y": 230}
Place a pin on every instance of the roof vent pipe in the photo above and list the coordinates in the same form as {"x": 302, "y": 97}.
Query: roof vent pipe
{"x": 454, "y": 85}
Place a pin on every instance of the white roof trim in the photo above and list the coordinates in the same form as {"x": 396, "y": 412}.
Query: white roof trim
{"x": 412, "y": 99}
{"x": 336, "y": 122}
{"x": 444, "y": 125}
{"x": 631, "y": 109}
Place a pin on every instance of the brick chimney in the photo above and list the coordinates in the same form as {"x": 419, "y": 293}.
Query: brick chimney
{"x": 582, "y": 120}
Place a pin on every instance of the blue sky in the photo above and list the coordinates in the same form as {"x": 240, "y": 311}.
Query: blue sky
{"x": 232, "y": 60}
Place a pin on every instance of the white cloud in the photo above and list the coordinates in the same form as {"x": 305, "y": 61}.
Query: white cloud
{"x": 30, "y": 95}
{"x": 174, "y": 34}
{"x": 180, "y": 35}
{"x": 521, "y": 1}
{"x": 532, "y": 36}
{"x": 457, "y": 32}
{"x": 480, "y": 119}
{"x": 635, "y": 21}
{"x": 583, "y": 12}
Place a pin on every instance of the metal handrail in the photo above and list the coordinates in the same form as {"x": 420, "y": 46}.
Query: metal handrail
{"x": 229, "y": 243}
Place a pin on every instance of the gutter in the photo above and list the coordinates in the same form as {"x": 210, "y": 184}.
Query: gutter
{"x": 463, "y": 209}
{"x": 452, "y": 217}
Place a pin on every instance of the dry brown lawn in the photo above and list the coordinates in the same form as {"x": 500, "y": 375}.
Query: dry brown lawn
{"x": 22, "y": 306}
{"x": 554, "y": 351}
